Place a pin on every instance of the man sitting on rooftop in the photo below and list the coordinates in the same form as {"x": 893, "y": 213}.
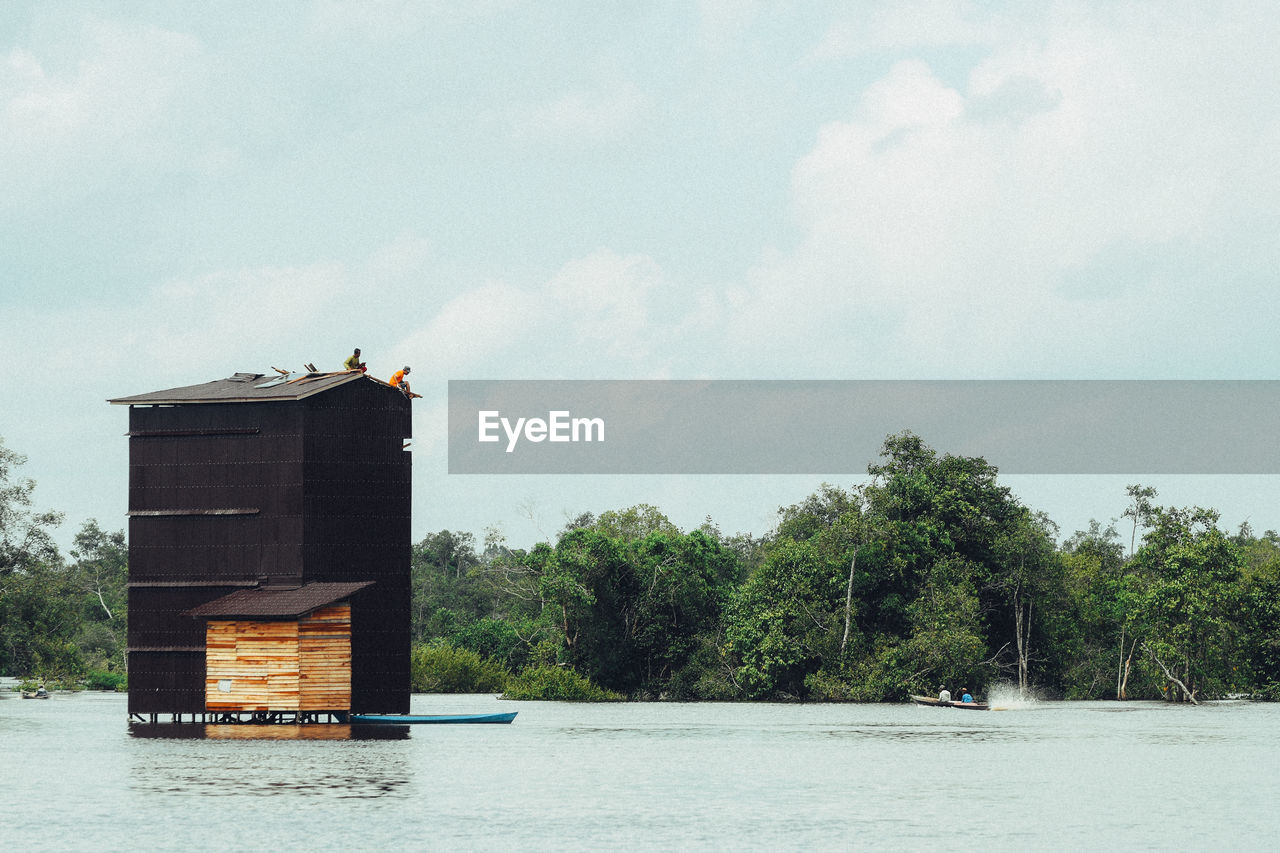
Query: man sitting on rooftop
{"x": 353, "y": 362}
{"x": 400, "y": 379}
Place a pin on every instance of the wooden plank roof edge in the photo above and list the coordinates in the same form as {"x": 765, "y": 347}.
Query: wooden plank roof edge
{"x": 312, "y": 377}
{"x": 266, "y": 602}
{"x": 185, "y": 583}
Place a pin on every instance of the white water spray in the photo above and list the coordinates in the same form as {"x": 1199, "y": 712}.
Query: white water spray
{"x": 1006, "y": 695}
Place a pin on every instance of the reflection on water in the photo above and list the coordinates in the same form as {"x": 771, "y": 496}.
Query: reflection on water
{"x": 251, "y": 731}
{"x": 1189, "y": 737}
{"x": 234, "y": 760}
{"x": 238, "y": 781}
{"x": 303, "y": 779}
{"x": 922, "y": 733}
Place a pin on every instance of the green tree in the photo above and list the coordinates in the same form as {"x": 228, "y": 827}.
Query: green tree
{"x": 101, "y": 573}
{"x": 632, "y": 612}
{"x": 1260, "y": 595}
{"x": 825, "y": 550}
{"x": 625, "y": 599}
{"x": 633, "y": 523}
{"x": 945, "y": 644}
{"x": 1140, "y": 510}
{"x": 951, "y": 534}
{"x": 782, "y": 625}
{"x": 1026, "y": 576}
{"x": 1098, "y": 663}
{"x": 897, "y": 584}
{"x": 446, "y": 590}
{"x": 685, "y": 582}
{"x": 39, "y": 605}
{"x": 40, "y": 617}
{"x": 26, "y": 535}
{"x": 1187, "y": 602}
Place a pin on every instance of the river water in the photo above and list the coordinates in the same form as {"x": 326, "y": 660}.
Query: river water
{"x": 661, "y": 776}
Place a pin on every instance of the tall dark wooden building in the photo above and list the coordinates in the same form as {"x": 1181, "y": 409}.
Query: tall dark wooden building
{"x": 283, "y": 500}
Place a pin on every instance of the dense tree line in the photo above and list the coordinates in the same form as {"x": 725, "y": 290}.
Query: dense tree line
{"x": 929, "y": 573}
{"x": 61, "y": 621}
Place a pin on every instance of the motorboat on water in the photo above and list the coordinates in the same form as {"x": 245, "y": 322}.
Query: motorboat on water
{"x": 933, "y": 702}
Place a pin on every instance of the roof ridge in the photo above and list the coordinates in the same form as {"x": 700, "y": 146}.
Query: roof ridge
{"x": 240, "y": 390}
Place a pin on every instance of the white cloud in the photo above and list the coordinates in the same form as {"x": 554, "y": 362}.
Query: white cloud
{"x": 912, "y": 24}
{"x": 250, "y": 319}
{"x": 593, "y": 317}
{"x": 378, "y": 20}
{"x": 951, "y": 213}
{"x": 604, "y": 297}
{"x": 270, "y": 311}
{"x": 724, "y": 21}
{"x": 393, "y": 20}
{"x": 113, "y": 108}
{"x": 474, "y": 330}
{"x": 404, "y": 257}
{"x": 578, "y": 119}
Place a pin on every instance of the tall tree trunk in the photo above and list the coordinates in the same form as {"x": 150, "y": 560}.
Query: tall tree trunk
{"x": 1120, "y": 666}
{"x": 1022, "y": 634}
{"x": 848, "y": 601}
{"x": 98, "y": 590}
{"x": 1124, "y": 684}
{"x": 1017, "y": 636}
{"x": 1026, "y": 648}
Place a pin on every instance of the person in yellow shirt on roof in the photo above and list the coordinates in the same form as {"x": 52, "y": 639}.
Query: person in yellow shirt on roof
{"x": 353, "y": 362}
{"x": 400, "y": 379}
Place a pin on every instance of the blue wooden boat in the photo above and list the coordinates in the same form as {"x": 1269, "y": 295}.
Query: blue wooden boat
{"x": 412, "y": 719}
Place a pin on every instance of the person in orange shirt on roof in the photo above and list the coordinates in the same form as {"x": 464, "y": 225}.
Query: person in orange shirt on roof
{"x": 400, "y": 379}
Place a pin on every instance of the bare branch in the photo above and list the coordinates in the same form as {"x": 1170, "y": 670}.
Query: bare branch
{"x": 1187, "y": 692}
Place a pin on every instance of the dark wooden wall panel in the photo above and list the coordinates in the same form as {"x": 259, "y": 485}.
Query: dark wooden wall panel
{"x": 166, "y": 682}
{"x": 358, "y": 507}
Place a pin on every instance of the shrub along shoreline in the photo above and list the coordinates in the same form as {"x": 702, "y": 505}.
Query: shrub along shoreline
{"x": 439, "y": 667}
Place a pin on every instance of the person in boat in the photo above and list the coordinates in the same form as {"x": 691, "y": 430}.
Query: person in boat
{"x": 944, "y": 695}
{"x": 400, "y": 379}
{"x": 41, "y": 693}
{"x": 353, "y": 362}
{"x": 964, "y": 695}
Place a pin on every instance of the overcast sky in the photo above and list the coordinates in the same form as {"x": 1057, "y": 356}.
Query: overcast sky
{"x": 738, "y": 190}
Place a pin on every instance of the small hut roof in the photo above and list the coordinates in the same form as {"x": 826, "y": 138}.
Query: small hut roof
{"x": 276, "y": 602}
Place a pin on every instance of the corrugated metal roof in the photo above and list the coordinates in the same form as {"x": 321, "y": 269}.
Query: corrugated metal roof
{"x": 276, "y": 603}
{"x": 249, "y": 388}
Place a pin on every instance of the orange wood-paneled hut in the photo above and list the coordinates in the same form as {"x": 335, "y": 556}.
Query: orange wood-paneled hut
{"x": 276, "y": 650}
